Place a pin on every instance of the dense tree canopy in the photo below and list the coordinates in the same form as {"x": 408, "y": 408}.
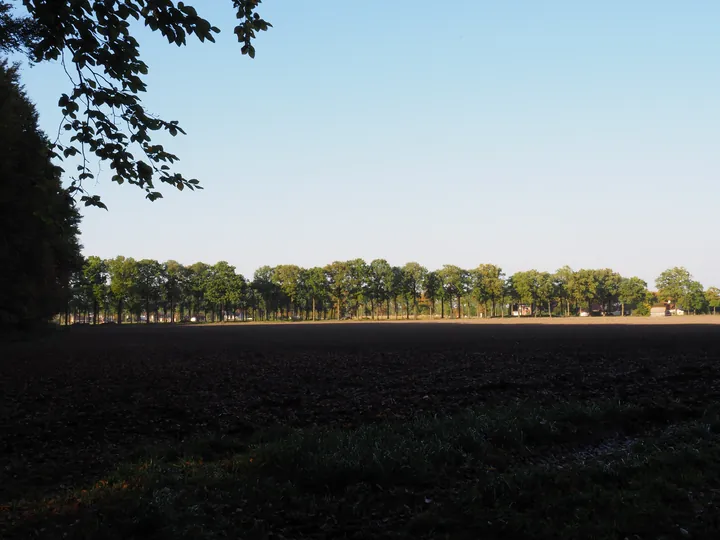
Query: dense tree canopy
{"x": 96, "y": 43}
{"x": 38, "y": 219}
{"x": 152, "y": 291}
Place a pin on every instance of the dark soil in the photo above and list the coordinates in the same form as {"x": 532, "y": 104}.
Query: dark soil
{"x": 78, "y": 403}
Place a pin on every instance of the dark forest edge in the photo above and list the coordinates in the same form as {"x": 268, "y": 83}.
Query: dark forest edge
{"x": 123, "y": 290}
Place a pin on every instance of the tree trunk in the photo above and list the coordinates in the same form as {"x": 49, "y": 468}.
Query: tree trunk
{"x": 622, "y": 309}
{"x": 442, "y": 308}
{"x": 549, "y": 309}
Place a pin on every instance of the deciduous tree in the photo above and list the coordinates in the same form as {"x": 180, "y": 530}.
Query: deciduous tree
{"x": 95, "y": 41}
{"x": 632, "y": 291}
{"x": 673, "y": 284}
{"x": 413, "y": 277}
{"x": 712, "y": 297}
{"x": 39, "y": 222}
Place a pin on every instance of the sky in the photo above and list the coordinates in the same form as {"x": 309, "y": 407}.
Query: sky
{"x": 525, "y": 134}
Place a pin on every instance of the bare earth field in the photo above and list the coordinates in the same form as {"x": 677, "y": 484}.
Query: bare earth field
{"x": 80, "y": 402}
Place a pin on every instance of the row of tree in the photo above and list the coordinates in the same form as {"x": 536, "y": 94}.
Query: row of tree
{"x": 123, "y": 289}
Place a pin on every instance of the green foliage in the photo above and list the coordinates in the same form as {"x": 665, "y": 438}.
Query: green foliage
{"x": 455, "y": 284}
{"x": 95, "y": 275}
{"x": 123, "y": 278}
{"x": 583, "y": 287}
{"x": 432, "y": 288}
{"x": 224, "y": 287}
{"x": 633, "y": 292}
{"x": 487, "y": 283}
{"x": 413, "y": 278}
{"x": 96, "y": 43}
{"x": 351, "y": 289}
{"x": 526, "y": 286}
{"x": 694, "y": 299}
{"x": 39, "y": 222}
{"x": 712, "y": 297}
{"x": 380, "y": 282}
{"x": 336, "y": 275}
{"x": 673, "y": 284}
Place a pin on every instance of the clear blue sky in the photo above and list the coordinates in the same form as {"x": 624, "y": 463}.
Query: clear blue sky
{"x": 523, "y": 133}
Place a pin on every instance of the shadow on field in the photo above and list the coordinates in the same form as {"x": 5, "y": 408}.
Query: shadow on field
{"x": 77, "y": 403}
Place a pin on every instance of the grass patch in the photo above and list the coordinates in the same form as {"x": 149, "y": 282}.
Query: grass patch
{"x": 570, "y": 471}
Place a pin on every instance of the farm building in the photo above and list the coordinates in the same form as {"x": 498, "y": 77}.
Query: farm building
{"x": 521, "y": 310}
{"x": 659, "y": 311}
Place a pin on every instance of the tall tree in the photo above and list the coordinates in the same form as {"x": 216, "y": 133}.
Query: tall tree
{"x": 712, "y": 297}
{"x": 546, "y": 290}
{"x": 563, "y": 280}
{"x": 123, "y": 277}
{"x": 527, "y": 287}
{"x": 673, "y": 285}
{"x": 336, "y": 275}
{"x": 267, "y": 289}
{"x": 380, "y": 278}
{"x": 455, "y": 282}
{"x": 395, "y": 289}
{"x": 413, "y": 277}
{"x": 356, "y": 282}
{"x": 40, "y": 249}
{"x": 175, "y": 276}
{"x": 287, "y": 279}
{"x": 95, "y": 273}
{"x": 317, "y": 285}
{"x": 631, "y": 291}
{"x": 608, "y": 285}
{"x": 197, "y": 281}
{"x": 432, "y": 287}
{"x": 487, "y": 284}
{"x": 148, "y": 283}
{"x": 584, "y": 287}
{"x": 224, "y": 288}
{"x": 694, "y": 300}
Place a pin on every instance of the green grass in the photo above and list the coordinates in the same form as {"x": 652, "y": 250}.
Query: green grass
{"x": 518, "y": 472}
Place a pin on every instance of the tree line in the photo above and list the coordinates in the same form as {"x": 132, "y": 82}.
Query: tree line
{"x": 128, "y": 290}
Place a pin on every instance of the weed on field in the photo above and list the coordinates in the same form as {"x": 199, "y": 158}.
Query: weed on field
{"x": 530, "y": 472}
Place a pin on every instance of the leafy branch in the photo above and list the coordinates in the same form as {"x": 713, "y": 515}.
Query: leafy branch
{"x": 104, "y": 110}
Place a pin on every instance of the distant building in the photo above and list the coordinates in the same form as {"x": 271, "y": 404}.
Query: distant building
{"x": 661, "y": 310}
{"x": 521, "y": 310}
